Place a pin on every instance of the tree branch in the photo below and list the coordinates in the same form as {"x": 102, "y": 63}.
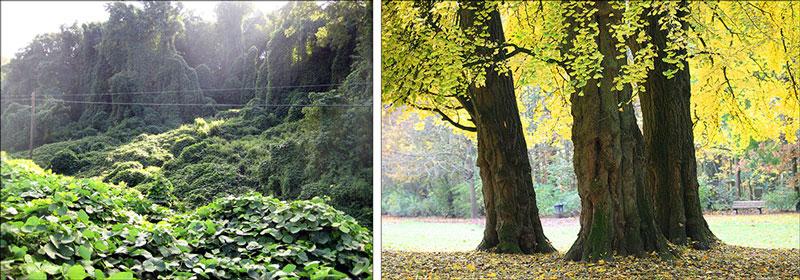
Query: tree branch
{"x": 445, "y": 117}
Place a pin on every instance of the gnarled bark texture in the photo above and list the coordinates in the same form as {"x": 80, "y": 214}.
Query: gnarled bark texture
{"x": 669, "y": 146}
{"x": 616, "y": 205}
{"x": 512, "y": 217}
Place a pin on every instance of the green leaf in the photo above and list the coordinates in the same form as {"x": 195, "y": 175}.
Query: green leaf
{"x": 18, "y": 252}
{"x": 126, "y": 275}
{"x": 50, "y": 251}
{"x": 101, "y": 245}
{"x": 289, "y": 268}
{"x": 83, "y": 217}
{"x": 85, "y": 252}
{"x": 37, "y": 275}
{"x": 225, "y": 239}
{"x": 76, "y": 272}
{"x": 148, "y": 265}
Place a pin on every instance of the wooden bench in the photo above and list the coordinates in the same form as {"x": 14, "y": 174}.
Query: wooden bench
{"x": 749, "y": 204}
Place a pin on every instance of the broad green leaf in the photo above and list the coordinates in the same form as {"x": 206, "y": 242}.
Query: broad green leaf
{"x": 85, "y": 252}
{"x": 76, "y": 272}
{"x": 38, "y": 275}
{"x": 126, "y": 275}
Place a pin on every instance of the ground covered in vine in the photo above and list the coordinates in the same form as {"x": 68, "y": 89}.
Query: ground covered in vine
{"x": 721, "y": 262}
{"x": 61, "y": 227}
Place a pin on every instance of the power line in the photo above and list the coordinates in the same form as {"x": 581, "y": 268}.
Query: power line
{"x": 212, "y": 104}
{"x": 207, "y": 90}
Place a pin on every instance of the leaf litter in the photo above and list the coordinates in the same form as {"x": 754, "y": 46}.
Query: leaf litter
{"x": 720, "y": 262}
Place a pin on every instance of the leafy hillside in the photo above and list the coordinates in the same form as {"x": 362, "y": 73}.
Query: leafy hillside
{"x": 63, "y": 227}
{"x": 191, "y": 165}
{"x": 187, "y": 110}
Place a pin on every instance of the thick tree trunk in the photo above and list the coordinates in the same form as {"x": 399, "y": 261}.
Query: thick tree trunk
{"x": 616, "y": 205}
{"x": 669, "y": 142}
{"x": 512, "y": 218}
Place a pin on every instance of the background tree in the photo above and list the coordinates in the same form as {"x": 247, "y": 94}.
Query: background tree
{"x": 427, "y": 169}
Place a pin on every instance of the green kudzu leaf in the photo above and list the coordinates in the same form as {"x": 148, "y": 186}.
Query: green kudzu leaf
{"x": 85, "y": 252}
{"x": 127, "y": 275}
{"x": 142, "y": 252}
{"x": 149, "y": 266}
{"x": 18, "y": 252}
{"x": 37, "y": 275}
{"x": 225, "y": 239}
{"x": 289, "y": 268}
{"x": 252, "y": 245}
{"x": 30, "y": 224}
{"x": 76, "y": 272}
{"x": 101, "y": 246}
{"x": 50, "y": 268}
{"x": 66, "y": 251}
{"x": 50, "y": 250}
{"x": 83, "y": 217}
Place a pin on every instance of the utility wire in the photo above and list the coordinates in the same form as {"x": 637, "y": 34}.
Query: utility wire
{"x": 206, "y": 90}
{"x": 212, "y": 104}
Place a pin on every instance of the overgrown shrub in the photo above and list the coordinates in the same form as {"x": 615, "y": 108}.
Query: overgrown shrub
{"x": 146, "y": 149}
{"x": 158, "y": 189}
{"x": 348, "y": 196}
{"x": 715, "y": 198}
{"x": 403, "y": 203}
{"x": 66, "y": 162}
{"x": 66, "y": 228}
{"x": 782, "y": 199}
{"x": 197, "y": 184}
{"x": 131, "y": 172}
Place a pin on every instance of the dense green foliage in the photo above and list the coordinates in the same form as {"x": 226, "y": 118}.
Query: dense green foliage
{"x": 198, "y": 162}
{"x": 70, "y": 228}
{"x": 273, "y": 103}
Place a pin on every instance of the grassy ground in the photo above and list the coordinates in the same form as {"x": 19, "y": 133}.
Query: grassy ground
{"x": 448, "y": 235}
{"x": 431, "y": 248}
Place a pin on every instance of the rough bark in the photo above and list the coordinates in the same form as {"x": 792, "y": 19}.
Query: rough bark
{"x": 669, "y": 146}
{"x": 512, "y": 217}
{"x": 616, "y": 205}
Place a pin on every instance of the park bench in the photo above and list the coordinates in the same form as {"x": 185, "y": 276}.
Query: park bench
{"x": 748, "y": 204}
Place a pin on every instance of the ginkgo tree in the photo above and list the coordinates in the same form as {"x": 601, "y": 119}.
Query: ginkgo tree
{"x": 723, "y": 72}
{"x": 449, "y": 58}
{"x": 660, "y": 41}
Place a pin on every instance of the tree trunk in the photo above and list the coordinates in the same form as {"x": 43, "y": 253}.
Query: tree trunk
{"x": 669, "y": 142}
{"x": 738, "y": 181}
{"x": 512, "y": 218}
{"x": 616, "y": 205}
